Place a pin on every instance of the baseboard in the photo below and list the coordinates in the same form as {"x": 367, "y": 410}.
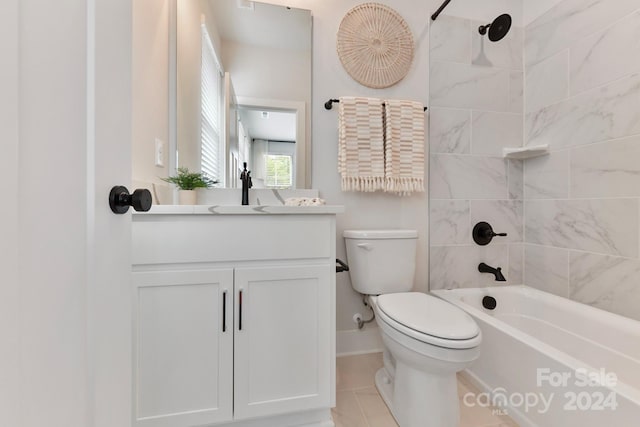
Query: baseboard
{"x": 359, "y": 341}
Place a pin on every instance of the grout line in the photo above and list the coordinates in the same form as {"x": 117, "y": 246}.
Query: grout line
{"x": 364, "y": 416}
{"x": 595, "y": 89}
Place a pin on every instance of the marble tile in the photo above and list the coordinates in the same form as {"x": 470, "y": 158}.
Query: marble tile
{"x": 450, "y": 39}
{"x": 449, "y": 222}
{"x": 547, "y": 82}
{"x": 604, "y": 113}
{"x": 609, "y": 169}
{"x": 606, "y": 226}
{"x": 468, "y": 177}
{"x": 468, "y": 86}
{"x": 607, "y": 55}
{"x": 547, "y": 177}
{"x": 453, "y": 267}
{"x": 450, "y": 131}
{"x": 375, "y": 410}
{"x": 505, "y": 216}
{"x": 534, "y": 9}
{"x": 606, "y": 282}
{"x": 516, "y": 264}
{"x": 547, "y": 269}
{"x": 257, "y": 196}
{"x": 485, "y": 10}
{"x": 569, "y": 21}
{"x": 516, "y": 179}
{"x": 516, "y": 92}
{"x": 506, "y": 53}
{"x": 493, "y": 131}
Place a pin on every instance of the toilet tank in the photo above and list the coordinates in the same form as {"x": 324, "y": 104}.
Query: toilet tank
{"x": 381, "y": 261}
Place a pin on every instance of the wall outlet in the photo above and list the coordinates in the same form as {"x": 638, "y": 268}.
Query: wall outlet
{"x": 159, "y": 153}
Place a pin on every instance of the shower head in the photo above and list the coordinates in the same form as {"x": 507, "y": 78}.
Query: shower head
{"x": 498, "y": 28}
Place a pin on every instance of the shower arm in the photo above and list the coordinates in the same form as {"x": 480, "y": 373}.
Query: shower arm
{"x": 440, "y": 9}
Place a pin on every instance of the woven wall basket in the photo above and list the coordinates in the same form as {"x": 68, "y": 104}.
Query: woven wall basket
{"x": 375, "y": 45}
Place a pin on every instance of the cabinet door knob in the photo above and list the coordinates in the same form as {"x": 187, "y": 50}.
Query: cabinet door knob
{"x": 120, "y": 200}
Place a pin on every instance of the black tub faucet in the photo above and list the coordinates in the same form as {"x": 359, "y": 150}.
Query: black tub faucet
{"x": 484, "y": 268}
{"x": 245, "y": 177}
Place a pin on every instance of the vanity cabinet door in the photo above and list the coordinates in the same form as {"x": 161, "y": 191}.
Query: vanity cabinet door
{"x": 283, "y": 348}
{"x": 183, "y": 347}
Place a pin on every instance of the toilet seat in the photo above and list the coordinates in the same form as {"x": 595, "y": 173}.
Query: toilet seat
{"x": 428, "y": 319}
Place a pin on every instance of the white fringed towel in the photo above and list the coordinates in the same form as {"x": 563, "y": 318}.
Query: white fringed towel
{"x": 404, "y": 146}
{"x": 361, "y": 144}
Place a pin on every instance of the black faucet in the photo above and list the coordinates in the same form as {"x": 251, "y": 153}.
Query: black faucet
{"x": 245, "y": 177}
{"x": 484, "y": 268}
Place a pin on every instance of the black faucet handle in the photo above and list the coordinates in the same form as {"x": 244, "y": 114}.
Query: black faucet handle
{"x": 483, "y": 233}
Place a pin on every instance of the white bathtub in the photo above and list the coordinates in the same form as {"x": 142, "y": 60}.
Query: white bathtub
{"x": 539, "y": 346}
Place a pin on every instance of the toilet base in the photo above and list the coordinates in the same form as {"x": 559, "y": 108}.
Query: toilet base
{"x": 422, "y": 400}
{"x": 384, "y": 384}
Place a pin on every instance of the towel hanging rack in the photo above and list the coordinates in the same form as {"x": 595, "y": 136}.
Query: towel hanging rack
{"x": 329, "y": 104}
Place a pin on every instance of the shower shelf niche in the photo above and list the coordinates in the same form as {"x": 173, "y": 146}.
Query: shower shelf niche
{"x": 522, "y": 153}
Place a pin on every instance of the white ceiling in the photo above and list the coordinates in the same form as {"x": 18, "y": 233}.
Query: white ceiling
{"x": 262, "y": 25}
{"x": 279, "y": 126}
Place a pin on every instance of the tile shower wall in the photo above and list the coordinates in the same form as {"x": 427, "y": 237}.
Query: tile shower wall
{"x": 476, "y": 104}
{"x": 582, "y": 68}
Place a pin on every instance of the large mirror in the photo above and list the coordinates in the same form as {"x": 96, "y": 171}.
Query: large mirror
{"x": 243, "y": 91}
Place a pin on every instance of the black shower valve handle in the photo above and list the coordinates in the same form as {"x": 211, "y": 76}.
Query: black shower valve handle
{"x": 483, "y": 233}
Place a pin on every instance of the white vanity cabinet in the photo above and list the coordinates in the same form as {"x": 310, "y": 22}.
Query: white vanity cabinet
{"x": 183, "y": 362}
{"x": 234, "y": 319}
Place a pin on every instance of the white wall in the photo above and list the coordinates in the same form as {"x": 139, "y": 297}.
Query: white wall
{"x": 150, "y": 93}
{"x": 376, "y": 210}
{"x": 10, "y": 351}
{"x": 261, "y": 72}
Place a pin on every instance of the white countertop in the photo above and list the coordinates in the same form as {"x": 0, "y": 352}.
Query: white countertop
{"x": 242, "y": 210}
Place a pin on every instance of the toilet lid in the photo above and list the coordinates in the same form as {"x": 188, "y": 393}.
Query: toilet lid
{"x": 428, "y": 315}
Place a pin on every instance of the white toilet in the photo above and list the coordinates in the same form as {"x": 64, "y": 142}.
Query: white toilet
{"x": 427, "y": 340}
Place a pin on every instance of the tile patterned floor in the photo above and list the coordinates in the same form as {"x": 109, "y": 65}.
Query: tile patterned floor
{"x": 358, "y": 403}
